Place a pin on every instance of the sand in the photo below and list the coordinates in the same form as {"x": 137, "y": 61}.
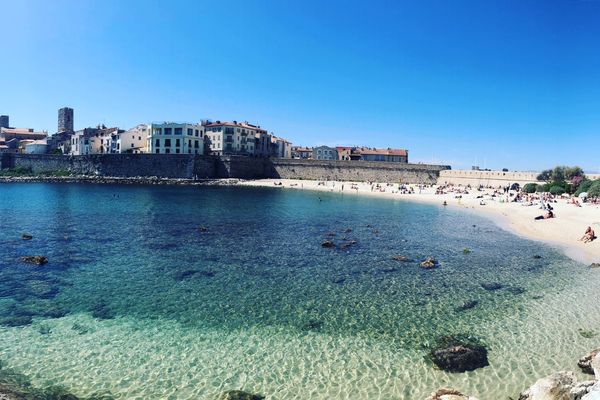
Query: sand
{"x": 563, "y": 232}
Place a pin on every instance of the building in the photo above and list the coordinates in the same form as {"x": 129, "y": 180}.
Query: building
{"x": 280, "y": 148}
{"x": 134, "y": 140}
{"x": 176, "y": 138}
{"x": 262, "y": 143}
{"x": 303, "y": 153}
{"x": 13, "y": 140}
{"x": 233, "y": 138}
{"x": 99, "y": 140}
{"x": 65, "y": 120}
{"x": 344, "y": 152}
{"x": 387, "y": 155}
{"x": 35, "y": 146}
{"x": 324, "y": 153}
{"x": 4, "y": 122}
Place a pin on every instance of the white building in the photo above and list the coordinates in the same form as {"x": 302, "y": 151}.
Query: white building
{"x": 280, "y": 148}
{"x": 99, "y": 140}
{"x": 36, "y": 147}
{"x": 174, "y": 138}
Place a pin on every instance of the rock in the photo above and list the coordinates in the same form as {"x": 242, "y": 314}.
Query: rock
{"x": 400, "y": 258}
{"x": 596, "y": 365}
{"x": 595, "y": 265}
{"x": 328, "y": 244}
{"x": 554, "y": 387}
{"x": 449, "y": 394}
{"x": 580, "y": 389}
{"x": 593, "y": 392}
{"x": 37, "y": 260}
{"x": 429, "y": 263}
{"x": 585, "y": 362}
{"x": 26, "y": 236}
{"x": 331, "y": 234}
{"x": 240, "y": 395}
{"x": 537, "y": 257}
{"x": 202, "y": 229}
{"x": 466, "y": 250}
{"x": 348, "y": 230}
{"x": 467, "y": 305}
{"x": 491, "y": 286}
{"x": 456, "y": 355}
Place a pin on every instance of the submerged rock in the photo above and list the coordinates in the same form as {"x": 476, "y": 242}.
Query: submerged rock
{"x": 458, "y": 355}
{"x": 37, "y": 260}
{"x": 240, "y": 395}
{"x": 202, "y": 229}
{"x": 491, "y": 286}
{"x": 554, "y": 387}
{"x": 467, "y": 305}
{"x": 449, "y": 394}
{"x": 537, "y": 257}
{"x": 429, "y": 263}
{"x": 327, "y": 244}
{"x": 400, "y": 258}
{"x": 26, "y": 236}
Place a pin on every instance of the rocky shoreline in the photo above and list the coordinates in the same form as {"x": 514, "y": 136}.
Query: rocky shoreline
{"x": 114, "y": 180}
{"x": 558, "y": 386}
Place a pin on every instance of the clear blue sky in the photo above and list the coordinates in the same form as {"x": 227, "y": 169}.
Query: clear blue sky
{"x": 498, "y": 84}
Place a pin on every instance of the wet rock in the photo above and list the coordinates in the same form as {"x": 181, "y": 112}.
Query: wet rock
{"x": 596, "y": 366}
{"x": 449, "y": 394}
{"x": 429, "y": 263}
{"x": 458, "y": 355}
{"x": 580, "y": 389}
{"x": 327, "y": 244}
{"x": 26, "y": 236}
{"x": 37, "y": 260}
{"x": 348, "y": 243}
{"x": 467, "y": 305}
{"x": 202, "y": 229}
{"x": 491, "y": 286}
{"x": 466, "y": 250}
{"x": 595, "y": 265}
{"x": 240, "y": 395}
{"x": 400, "y": 258}
{"x": 554, "y": 387}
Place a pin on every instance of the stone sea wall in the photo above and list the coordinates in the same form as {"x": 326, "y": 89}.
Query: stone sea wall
{"x": 354, "y": 171}
{"x": 184, "y": 166}
{"x": 486, "y": 178}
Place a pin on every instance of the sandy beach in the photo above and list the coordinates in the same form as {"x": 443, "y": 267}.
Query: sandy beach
{"x": 563, "y": 232}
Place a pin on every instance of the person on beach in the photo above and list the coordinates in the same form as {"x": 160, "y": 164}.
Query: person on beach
{"x": 548, "y": 215}
{"x": 589, "y": 235}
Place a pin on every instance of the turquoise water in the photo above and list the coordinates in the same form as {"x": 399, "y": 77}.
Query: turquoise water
{"x": 137, "y": 302}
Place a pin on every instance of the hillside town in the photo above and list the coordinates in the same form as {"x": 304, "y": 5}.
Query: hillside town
{"x": 206, "y": 137}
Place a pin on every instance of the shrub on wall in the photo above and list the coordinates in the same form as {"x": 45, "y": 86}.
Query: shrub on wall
{"x": 530, "y": 187}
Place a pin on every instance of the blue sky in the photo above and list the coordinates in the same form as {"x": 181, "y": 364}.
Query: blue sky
{"x": 512, "y": 84}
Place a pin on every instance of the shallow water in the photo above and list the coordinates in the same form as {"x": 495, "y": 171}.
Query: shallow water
{"x": 137, "y": 302}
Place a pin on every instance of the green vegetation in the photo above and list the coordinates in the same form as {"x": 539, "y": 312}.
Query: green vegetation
{"x": 530, "y": 187}
{"x": 561, "y": 180}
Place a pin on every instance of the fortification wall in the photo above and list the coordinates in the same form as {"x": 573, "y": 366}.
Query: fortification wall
{"x": 189, "y": 166}
{"x": 486, "y": 178}
{"x": 353, "y": 171}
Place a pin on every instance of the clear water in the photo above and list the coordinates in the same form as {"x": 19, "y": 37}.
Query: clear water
{"x": 136, "y": 302}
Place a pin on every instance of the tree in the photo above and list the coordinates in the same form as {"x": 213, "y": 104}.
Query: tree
{"x": 529, "y": 188}
{"x": 545, "y": 175}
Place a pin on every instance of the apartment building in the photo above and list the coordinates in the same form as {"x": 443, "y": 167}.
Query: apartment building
{"x": 225, "y": 138}
{"x": 176, "y": 138}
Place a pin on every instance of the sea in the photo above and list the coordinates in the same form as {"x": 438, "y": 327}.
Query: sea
{"x": 187, "y": 292}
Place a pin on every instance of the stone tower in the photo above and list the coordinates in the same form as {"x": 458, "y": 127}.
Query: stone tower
{"x": 65, "y": 119}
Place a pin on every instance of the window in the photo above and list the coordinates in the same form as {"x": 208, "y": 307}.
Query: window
{"x": 131, "y": 145}
{"x": 190, "y": 143}
{"x": 177, "y": 142}
{"x": 179, "y": 131}
{"x": 196, "y": 144}
{"x": 157, "y": 131}
{"x": 167, "y": 151}
{"x": 177, "y": 151}
{"x": 157, "y": 143}
{"x": 167, "y": 142}
{"x": 139, "y": 138}
{"x": 190, "y": 132}
{"x": 157, "y": 151}
{"x": 168, "y": 131}
{"x": 196, "y": 132}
